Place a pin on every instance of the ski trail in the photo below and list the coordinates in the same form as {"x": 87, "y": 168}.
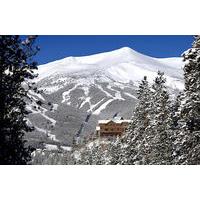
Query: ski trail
{"x": 117, "y": 93}
{"x": 66, "y": 96}
{"x": 130, "y": 95}
{"x": 102, "y": 107}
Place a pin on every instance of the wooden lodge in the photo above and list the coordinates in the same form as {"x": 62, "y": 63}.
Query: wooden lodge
{"x": 113, "y": 127}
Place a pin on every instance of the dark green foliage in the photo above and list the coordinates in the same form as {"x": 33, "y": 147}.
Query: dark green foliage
{"x": 127, "y": 149}
{"x": 191, "y": 108}
{"x": 187, "y": 137}
{"x": 132, "y": 142}
{"x": 44, "y": 157}
{"x": 175, "y": 114}
{"x": 159, "y": 133}
{"x": 16, "y": 67}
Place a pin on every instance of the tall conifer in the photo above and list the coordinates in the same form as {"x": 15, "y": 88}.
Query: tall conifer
{"x": 16, "y": 68}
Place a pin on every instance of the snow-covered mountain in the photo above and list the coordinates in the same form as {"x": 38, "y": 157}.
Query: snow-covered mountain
{"x": 122, "y": 65}
{"x": 78, "y": 91}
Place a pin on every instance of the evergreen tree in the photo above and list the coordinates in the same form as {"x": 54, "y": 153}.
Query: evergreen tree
{"x": 175, "y": 114}
{"x": 130, "y": 143}
{"x": 141, "y": 116}
{"x": 190, "y": 109}
{"x": 159, "y": 135}
{"x": 83, "y": 156}
{"x": 114, "y": 152}
{"x": 89, "y": 154}
{"x": 99, "y": 152}
{"x": 16, "y": 67}
{"x": 187, "y": 143}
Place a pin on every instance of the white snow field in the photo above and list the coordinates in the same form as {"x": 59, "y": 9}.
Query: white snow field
{"x": 121, "y": 65}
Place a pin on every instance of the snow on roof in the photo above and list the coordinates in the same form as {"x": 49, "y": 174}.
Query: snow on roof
{"x": 66, "y": 148}
{"x": 103, "y": 121}
{"x": 118, "y": 118}
{"x": 51, "y": 147}
{"x": 117, "y": 121}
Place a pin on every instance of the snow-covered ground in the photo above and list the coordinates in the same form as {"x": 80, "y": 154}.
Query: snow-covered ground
{"x": 53, "y": 147}
{"x": 121, "y": 65}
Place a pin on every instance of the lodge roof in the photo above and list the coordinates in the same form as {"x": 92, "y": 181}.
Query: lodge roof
{"x": 116, "y": 121}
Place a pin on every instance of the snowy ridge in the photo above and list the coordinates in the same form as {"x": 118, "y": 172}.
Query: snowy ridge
{"x": 122, "y": 65}
{"x": 116, "y": 68}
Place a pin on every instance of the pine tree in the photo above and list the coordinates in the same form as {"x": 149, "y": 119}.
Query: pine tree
{"x": 16, "y": 67}
{"x": 158, "y": 134}
{"x": 187, "y": 143}
{"x": 91, "y": 153}
{"x": 129, "y": 145}
{"x": 190, "y": 110}
{"x": 114, "y": 154}
{"x": 175, "y": 114}
{"x": 99, "y": 152}
{"x": 143, "y": 109}
{"x": 83, "y": 156}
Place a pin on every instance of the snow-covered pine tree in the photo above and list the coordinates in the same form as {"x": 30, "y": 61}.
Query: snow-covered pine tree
{"x": 83, "y": 156}
{"x": 157, "y": 143}
{"x": 130, "y": 143}
{"x": 187, "y": 144}
{"x": 114, "y": 153}
{"x": 16, "y": 67}
{"x": 99, "y": 152}
{"x": 190, "y": 110}
{"x": 175, "y": 114}
{"x": 92, "y": 153}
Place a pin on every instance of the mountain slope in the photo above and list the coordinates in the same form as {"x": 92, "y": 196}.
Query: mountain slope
{"x": 122, "y": 65}
{"x": 85, "y": 89}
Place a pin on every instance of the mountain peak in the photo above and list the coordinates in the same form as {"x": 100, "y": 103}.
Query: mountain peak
{"x": 122, "y": 65}
{"x": 125, "y": 49}
{"x": 128, "y": 53}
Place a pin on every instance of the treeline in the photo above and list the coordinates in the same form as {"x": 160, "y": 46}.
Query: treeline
{"x": 163, "y": 131}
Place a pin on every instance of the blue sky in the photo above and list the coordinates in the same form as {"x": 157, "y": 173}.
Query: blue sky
{"x": 57, "y": 47}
